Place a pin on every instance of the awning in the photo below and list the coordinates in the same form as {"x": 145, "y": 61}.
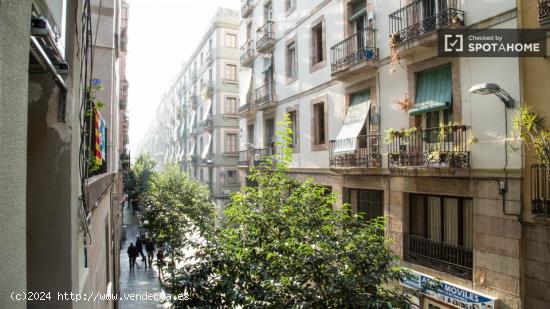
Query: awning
{"x": 206, "y": 109}
{"x": 357, "y": 15}
{"x": 206, "y": 149}
{"x": 434, "y": 91}
{"x": 191, "y": 149}
{"x": 245, "y": 85}
{"x": 346, "y": 141}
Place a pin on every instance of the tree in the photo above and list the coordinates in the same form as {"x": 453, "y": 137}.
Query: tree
{"x": 144, "y": 171}
{"x": 282, "y": 245}
{"x": 529, "y": 128}
{"x": 179, "y": 212}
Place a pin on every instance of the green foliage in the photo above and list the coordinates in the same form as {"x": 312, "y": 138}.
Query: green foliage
{"x": 282, "y": 245}
{"x": 393, "y": 133}
{"x": 529, "y": 128}
{"x": 144, "y": 171}
{"x": 94, "y": 164}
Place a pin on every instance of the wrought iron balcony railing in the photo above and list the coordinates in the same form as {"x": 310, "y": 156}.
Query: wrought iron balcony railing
{"x": 246, "y": 8}
{"x": 254, "y": 157}
{"x": 247, "y": 53}
{"x": 446, "y": 147}
{"x": 357, "y": 48}
{"x": 264, "y": 96}
{"x": 544, "y": 13}
{"x": 367, "y": 153}
{"x": 266, "y": 37}
{"x": 422, "y": 17}
{"x": 540, "y": 189}
{"x": 445, "y": 257}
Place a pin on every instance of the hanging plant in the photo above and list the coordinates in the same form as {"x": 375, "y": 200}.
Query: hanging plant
{"x": 395, "y": 38}
{"x": 404, "y": 104}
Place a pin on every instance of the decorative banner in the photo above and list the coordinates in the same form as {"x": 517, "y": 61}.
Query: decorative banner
{"x": 100, "y": 128}
{"x": 448, "y": 293}
{"x": 103, "y": 139}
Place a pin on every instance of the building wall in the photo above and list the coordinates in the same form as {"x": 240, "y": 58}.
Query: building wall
{"x": 13, "y": 133}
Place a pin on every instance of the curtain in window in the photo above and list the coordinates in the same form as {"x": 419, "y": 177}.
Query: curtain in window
{"x": 416, "y": 213}
{"x": 468, "y": 206}
{"x": 434, "y": 218}
{"x": 451, "y": 221}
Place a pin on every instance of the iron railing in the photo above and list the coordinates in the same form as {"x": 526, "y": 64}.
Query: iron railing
{"x": 445, "y": 146}
{"x": 544, "y": 11}
{"x": 422, "y": 17}
{"x": 540, "y": 189}
{"x": 445, "y": 257}
{"x": 247, "y": 52}
{"x": 264, "y": 95}
{"x": 246, "y": 8}
{"x": 366, "y": 154}
{"x": 357, "y": 48}
{"x": 254, "y": 157}
{"x": 266, "y": 34}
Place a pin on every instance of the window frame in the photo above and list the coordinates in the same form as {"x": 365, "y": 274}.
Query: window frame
{"x": 371, "y": 203}
{"x": 295, "y": 128}
{"x": 229, "y": 147}
{"x": 230, "y": 109}
{"x": 315, "y": 143}
{"x": 315, "y": 64}
{"x": 231, "y": 40}
{"x": 227, "y": 72}
{"x": 288, "y": 69}
{"x": 290, "y": 6}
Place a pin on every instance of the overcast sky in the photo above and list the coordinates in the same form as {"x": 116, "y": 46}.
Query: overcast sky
{"x": 162, "y": 35}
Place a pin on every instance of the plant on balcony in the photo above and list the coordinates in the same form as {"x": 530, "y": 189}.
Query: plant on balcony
{"x": 529, "y": 129}
{"x": 404, "y": 104}
{"x": 393, "y": 133}
{"x": 395, "y": 38}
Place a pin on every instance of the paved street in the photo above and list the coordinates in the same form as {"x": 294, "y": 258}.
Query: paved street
{"x": 138, "y": 281}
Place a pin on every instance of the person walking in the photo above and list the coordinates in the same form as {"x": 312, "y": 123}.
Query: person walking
{"x": 150, "y": 248}
{"x": 132, "y": 255}
{"x": 139, "y": 247}
{"x": 160, "y": 262}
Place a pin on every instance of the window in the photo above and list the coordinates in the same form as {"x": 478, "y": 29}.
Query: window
{"x": 231, "y": 105}
{"x": 231, "y": 177}
{"x": 368, "y": 203}
{"x": 231, "y": 143}
{"x": 291, "y": 62}
{"x": 440, "y": 233}
{"x": 318, "y": 43}
{"x": 250, "y": 134}
{"x": 230, "y": 72}
{"x": 290, "y": 5}
{"x": 319, "y": 125}
{"x": 294, "y": 127}
{"x": 230, "y": 40}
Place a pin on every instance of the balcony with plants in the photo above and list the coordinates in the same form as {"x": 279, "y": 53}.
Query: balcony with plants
{"x": 366, "y": 154}
{"x": 357, "y": 50}
{"x": 266, "y": 37}
{"x": 422, "y": 17}
{"x": 447, "y": 146}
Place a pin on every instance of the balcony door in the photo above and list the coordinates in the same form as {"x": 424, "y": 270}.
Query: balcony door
{"x": 268, "y": 11}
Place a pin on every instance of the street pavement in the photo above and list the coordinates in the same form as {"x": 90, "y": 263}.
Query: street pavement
{"x": 140, "y": 280}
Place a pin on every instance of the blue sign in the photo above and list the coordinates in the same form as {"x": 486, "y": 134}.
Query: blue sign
{"x": 446, "y": 292}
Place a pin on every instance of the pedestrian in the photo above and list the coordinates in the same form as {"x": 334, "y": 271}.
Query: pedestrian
{"x": 160, "y": 261}
{"x": 134, "y": 206}
{"x": 139, "y": 247}
{"x": 132, "y": 255}
{"x": 150, "y": 248}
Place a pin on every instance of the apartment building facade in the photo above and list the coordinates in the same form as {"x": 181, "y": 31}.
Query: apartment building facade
{"x": 64, "y": 151}
{"x": 392, "y": 129}
{"x": 197, "y": 121}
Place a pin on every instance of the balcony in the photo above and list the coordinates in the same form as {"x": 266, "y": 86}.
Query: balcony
{"x": 448, "y": 258}
{"x": 207, "y": 91}
{"x": 246, "y": 8}
{"x": 367, "y": 154}
{"x": 206, "y": 124}
{"x": 359, "y": 48}
{"x": 209, "y": 159}
{"x": 253, "y": 157}
{"x": 247, "y": 53}
{"x": 264, "y": 96}
{"x": 422, "y": 17}
{"x": 266, "y": 37}
{"x": 248, "y": 106}
{"x": 443, "y": 147}
{"x": 544, "y": 14}
{"x": 540, "y": 190}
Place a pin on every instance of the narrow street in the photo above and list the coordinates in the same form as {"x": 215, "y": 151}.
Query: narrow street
{"x": 140, "y": 280}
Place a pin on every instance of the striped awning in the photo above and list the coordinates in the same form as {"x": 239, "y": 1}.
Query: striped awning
{"x": 206, "y": 149}
{"x": 346, "y": 141}
{"x": 434, "y": 91}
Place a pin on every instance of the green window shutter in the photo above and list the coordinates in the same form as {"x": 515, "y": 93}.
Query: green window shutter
{"x": 359, "y": 97}
{"x": 434, "y": 91}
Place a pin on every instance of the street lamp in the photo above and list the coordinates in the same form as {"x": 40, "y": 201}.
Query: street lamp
{"x": 489, "y": 88}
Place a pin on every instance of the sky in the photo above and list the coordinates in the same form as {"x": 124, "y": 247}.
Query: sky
{"x": 162, "y": 35}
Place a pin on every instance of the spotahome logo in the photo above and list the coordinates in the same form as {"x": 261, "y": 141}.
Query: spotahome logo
{"x": 492, "y": 43}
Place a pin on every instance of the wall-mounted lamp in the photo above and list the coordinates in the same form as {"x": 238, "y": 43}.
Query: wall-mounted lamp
{"x": 489, "y": 88}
